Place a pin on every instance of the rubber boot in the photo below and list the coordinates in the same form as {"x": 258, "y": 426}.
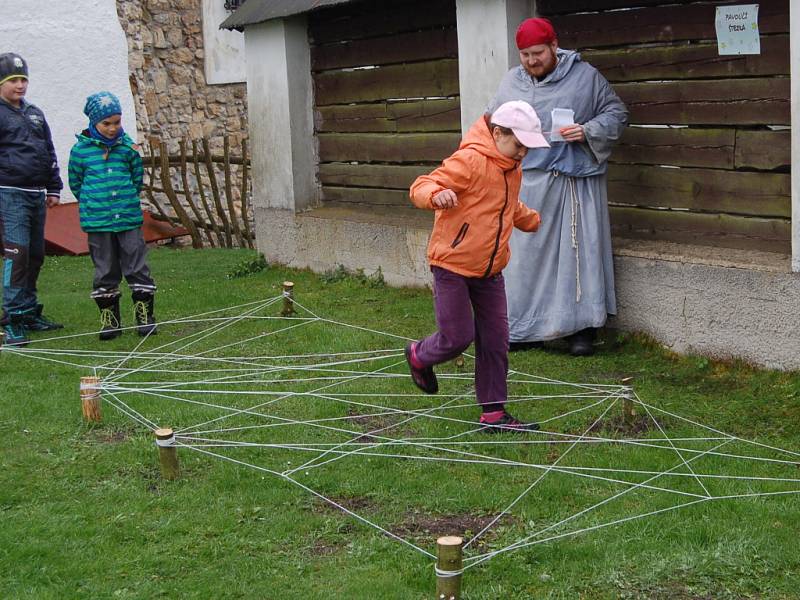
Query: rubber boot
{"x": 110, "y": 323}
{"x": 143, "y": 313}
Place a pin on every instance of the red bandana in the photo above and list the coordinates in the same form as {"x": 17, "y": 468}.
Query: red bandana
{"x": 533, "y": 32}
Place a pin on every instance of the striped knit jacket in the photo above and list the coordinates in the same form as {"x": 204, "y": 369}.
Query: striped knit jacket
{"x": 106, "y": 183}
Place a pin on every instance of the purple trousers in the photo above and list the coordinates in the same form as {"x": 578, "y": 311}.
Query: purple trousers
{"x": 467, "y": 309}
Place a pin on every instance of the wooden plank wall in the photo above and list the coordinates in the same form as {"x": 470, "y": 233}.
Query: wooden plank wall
{"x": 718, "y": 173}
{"x": 386, "y": 92}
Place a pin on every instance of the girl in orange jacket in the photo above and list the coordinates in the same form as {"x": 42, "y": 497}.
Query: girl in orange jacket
{"x": 475, "y": 194}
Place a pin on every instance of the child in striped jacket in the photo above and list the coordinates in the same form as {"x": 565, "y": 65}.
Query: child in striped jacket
{"x": 105, "y": 174}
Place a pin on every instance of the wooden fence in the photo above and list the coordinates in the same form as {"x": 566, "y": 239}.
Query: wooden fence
{"x": 184, "y": 189}
{"x": 707, "y": 157}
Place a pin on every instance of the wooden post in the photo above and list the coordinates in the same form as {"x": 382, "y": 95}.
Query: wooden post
{"x": 201, "y": 189}
{"x": 212, "y": 179}
{"x": 288, "y": 299}
{"x": 247, "y": 234}
{"x": 628, "y": 409}
{"x": 226, "y": 149}
{"x": 90, "y": 399}
{"x": 167, "y": 454}
{"x": 448, "y": 567}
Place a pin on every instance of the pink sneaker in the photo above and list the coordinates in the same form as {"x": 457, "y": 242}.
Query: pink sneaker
{"x": 424, "y": 378}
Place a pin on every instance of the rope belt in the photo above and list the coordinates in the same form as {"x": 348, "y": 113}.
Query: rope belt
{"x": 573, "y": 193}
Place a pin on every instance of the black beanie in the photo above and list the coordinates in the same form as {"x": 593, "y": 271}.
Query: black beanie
{"x": 12, "y": 65}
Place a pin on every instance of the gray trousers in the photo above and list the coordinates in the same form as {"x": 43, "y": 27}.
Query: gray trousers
{"x": 118, "y": 254}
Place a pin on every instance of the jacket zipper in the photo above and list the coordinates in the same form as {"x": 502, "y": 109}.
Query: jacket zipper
{"x": 461, "y": 234}
{"x": 499, "y": 227}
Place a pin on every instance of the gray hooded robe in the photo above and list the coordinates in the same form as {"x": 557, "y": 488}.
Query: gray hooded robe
{"x": 561, "y": 279}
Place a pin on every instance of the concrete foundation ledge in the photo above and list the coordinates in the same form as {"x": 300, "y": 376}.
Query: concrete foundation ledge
{"x": 714, "y": 302}
{"x": 321, "y": 239}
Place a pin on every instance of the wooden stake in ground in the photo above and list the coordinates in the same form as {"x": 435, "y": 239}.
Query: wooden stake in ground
{"x": 167, "y": 454}
{"x": 90, "y": 399}
{"x": 628, "y": 409}
{"x": 448, "y": 567}
{"x": 288, "y": 299}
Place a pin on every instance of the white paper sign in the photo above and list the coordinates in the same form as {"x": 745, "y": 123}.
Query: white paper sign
{"x": 737, "y": 29}
{"x": 560, "y": 117}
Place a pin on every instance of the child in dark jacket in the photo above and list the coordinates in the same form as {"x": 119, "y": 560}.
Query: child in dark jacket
{"x": 475, "y": 195}
{"x": 105, "y": 174}
{"x": 29, "y": 184}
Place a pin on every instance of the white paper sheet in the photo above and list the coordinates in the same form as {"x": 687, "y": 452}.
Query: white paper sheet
{"x": 560, "y": 117}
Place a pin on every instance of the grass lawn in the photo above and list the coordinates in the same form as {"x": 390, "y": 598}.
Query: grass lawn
{"x": 84, "y": 512}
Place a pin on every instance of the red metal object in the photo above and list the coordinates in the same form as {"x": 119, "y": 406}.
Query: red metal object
{"x": 63, "y": 234}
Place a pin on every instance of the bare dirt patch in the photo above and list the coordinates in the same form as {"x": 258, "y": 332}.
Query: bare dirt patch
{"x": 357, "y": 504}
{"x": 383, "y": 425}
{"x": 107, "y": 436}
{"x": 419, "y": 525}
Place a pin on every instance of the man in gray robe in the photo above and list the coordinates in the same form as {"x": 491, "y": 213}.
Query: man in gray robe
{"x": 560, "y": 281}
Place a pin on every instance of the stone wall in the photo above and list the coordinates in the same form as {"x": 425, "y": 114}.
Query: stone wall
{"x": 166, "y": 65}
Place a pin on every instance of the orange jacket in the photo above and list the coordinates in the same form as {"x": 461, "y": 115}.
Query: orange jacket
{"x": 471, "y": 239}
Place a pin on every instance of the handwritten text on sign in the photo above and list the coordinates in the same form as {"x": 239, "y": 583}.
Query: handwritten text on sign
{"x": 737, "y": 29}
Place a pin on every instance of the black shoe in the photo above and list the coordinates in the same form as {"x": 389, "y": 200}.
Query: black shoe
{"x": 581, "y": 343}
{"x": 143, "y": 313}
{"x": 15, "y": 334}
{"x": 424, "y": 379}
{"x": 110, "y": 323}
{"x": 38, "y": 322}
{"x": 506, "y": 424}
{"x": 522, "y": 346}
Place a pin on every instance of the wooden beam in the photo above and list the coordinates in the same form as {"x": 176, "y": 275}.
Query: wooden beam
{"x": 708, "y": 190}
{"x": 670, "y": 23}
{"x": 396, "y": 148}
{"x": 399, "y": 48}
{"x": 374, "y": 176}
{"x": 761, "y": 101}
{"x": 437, "y": 78}
{"x": 394, "y": 117}
{"x": 703, "y": 229}
{"x": 690, "y": 61}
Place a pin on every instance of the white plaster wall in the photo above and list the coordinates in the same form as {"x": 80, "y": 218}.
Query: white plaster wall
{"x": 482, "y": 54}
{"x": 280, "y": 114}
{"x": 224, "y": 50}
{"x": 73, "y": 48}
{"x": 794, "y": 37}
{"x": 486, "y": 50}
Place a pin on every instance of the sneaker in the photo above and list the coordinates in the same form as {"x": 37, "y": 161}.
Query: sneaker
{"x": 38, "y": 322}
{"x": 15, "y": 334}
{"x": 424, "y": 378}
{"x": 505, "y": 423}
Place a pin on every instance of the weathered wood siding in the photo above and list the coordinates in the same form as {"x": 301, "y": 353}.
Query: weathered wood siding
{"x": 386, "y": 94}
{"x": 718, "y": 173}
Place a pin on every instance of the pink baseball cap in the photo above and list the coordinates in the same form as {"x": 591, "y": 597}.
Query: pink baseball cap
{"x": 520, "y": 118}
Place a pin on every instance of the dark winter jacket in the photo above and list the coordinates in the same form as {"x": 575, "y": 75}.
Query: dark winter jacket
{"x": 106, "y": 181}
{"x": 27, "y": 156}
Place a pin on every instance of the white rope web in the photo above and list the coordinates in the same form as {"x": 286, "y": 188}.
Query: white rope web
{"x": 297, "y": 416}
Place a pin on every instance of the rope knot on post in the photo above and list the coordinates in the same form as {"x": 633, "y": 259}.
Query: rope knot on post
{"x": 90, "y": 399}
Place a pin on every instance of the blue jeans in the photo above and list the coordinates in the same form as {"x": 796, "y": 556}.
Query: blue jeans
{"x": 22, "y": 216}
{"x": 467, "y": 309}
